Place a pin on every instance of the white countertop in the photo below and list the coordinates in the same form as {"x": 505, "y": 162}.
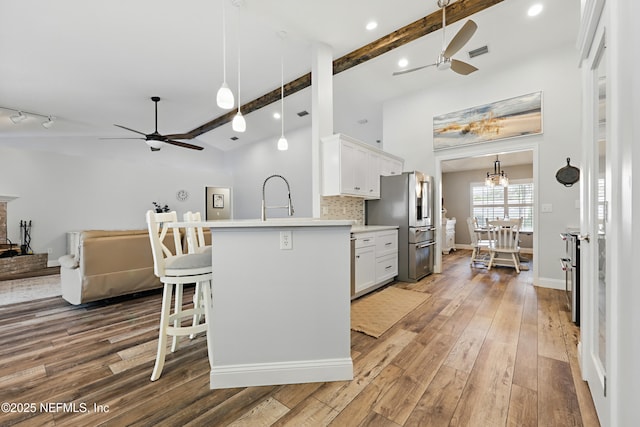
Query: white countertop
{"x": 369, "y": 228}
{"x": 271, "y": 222}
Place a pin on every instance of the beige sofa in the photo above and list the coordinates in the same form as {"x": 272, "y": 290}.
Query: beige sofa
{"x": 108, "y": 263}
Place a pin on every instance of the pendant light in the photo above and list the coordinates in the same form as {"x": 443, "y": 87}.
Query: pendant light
{"x": 238, "y": 124}
{"x": 498, "y": 177}
{"x": 224, "y": 98}
{"x": 283, "y": 145}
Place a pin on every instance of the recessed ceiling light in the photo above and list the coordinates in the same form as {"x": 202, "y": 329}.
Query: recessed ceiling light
{"x": 276, "y": 115}
{"x": 371, "y": 25}
{"x": 403, "y": 62}
{"x": 535, "y": 9}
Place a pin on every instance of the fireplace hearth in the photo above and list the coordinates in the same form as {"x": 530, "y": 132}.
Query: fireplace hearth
{"x": 16, "y": 258}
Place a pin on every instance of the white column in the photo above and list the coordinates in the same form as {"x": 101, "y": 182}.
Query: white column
{"x": 321, "y": 113}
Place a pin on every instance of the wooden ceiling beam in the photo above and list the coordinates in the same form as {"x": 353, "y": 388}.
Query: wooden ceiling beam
{"x": 423, "y": 26}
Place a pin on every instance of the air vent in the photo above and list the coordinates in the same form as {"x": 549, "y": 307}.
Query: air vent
{"x": 363, "y": 121}
{"x": 234, "y": 138}
{"x": 303, "y": 113}
{"x": 479, "y": 51}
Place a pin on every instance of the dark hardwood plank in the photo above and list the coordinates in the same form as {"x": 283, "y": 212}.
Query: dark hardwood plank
{"x": 482, "y": 350}
{"x": 557, "y": 400}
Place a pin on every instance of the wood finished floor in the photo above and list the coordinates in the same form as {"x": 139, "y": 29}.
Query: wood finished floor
{"x": 485, "y": 349}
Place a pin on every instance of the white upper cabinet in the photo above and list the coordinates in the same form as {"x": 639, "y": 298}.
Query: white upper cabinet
{"x": 353, "y": 168}
{"x": 390, "y": 166}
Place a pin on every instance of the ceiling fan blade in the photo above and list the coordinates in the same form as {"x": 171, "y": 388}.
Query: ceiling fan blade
{"x": 177, "y": 136}
{"x": 397, "y": 73}
{"x": 462, "y": 67}
{"x": 115, "y": 137}
{"x": 183, "y": 144}
{"x": 460, "y": 39}
{"x": 131, "y": 130}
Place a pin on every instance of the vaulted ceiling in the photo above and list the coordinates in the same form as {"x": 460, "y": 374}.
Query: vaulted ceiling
{"x": 96, "y": 64}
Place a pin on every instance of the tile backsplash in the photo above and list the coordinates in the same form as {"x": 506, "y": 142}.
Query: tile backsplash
{"x": 342, "y": 207}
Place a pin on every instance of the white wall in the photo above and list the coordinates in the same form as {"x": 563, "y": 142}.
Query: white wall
{"x": 408, "y": 133}
{"x": 253, "y": 163}
{"x": 61, "y": 192}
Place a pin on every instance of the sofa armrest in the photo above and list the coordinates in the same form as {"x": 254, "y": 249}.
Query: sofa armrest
{"x": 69, "y": 261}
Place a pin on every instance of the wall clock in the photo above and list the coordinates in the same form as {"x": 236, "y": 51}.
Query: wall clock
{"x": 182, "y": 195}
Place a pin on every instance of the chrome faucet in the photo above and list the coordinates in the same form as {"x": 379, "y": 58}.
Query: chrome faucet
{"x": 289, "y": 206}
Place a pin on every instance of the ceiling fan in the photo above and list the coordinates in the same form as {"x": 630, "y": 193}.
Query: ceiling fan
{"x": 445, "y": 61}
{"x": 155, "y": 140}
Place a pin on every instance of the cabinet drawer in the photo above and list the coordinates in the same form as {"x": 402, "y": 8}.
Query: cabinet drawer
{"x": 386, "y": 268}
{"x": 386, "y": 242}
{"x": 365, "y": 239}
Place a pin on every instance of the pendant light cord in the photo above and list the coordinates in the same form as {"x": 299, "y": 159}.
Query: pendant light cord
{"x": 238, "y": 34}
{"x": 224, "y": 44}
{"x": 282, "y": 85}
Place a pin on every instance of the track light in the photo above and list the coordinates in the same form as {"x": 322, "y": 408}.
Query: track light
{"x": 22, "y": 115}
{"x": 49, "y": 122}
{"x": 17, "y": 118}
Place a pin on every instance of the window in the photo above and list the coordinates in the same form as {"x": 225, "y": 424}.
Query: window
{"x": 514, "y": 201}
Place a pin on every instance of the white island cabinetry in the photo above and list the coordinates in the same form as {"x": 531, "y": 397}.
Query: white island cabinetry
{"x": 353, "y": 168}
{"x": 376, "y": 257}
{"x": 281, "y": 312}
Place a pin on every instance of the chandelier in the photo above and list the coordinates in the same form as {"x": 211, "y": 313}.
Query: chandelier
{"x": 498, "y": 177}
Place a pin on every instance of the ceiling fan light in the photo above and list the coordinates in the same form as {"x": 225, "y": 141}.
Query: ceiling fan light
{"x": 239, "y": 124}
{"x": 224, "y": 98}
{"x": 155, "y": 144}
{"x": 443, "y": 63}
{"x": 17, "y": 118}
{"x": 283, "y": 145}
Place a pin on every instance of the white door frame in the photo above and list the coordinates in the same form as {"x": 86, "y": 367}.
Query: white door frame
{"x": 497, "y": 147}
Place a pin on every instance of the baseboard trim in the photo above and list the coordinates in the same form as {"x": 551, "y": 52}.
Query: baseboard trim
{"x": 295, "y": 372}
{"x": 546, "y": 282}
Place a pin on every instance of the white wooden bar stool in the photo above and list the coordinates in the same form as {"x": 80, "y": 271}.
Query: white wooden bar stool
{"x": 196, "y": 244}
{"x": 174, "y": 268}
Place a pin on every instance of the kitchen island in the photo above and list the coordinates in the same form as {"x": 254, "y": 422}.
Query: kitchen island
{"x": 281, "y": 301}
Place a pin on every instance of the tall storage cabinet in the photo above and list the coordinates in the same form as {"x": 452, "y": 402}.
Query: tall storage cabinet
{"x": 448, "y": 235}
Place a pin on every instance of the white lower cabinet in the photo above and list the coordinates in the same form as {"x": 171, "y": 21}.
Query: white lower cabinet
{"x": 365, "y": 268}
{"x": 376, "y": 260}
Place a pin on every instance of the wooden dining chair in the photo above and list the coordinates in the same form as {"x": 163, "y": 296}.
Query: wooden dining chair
{"x": 477, "y": 244}
{"x": 504, "y": 236}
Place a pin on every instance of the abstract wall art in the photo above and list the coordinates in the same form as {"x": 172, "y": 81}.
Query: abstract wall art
{"x": 509, "y": 118}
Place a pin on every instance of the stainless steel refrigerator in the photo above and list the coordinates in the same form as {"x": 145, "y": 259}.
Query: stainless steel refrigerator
{"x": 406, "y": 200}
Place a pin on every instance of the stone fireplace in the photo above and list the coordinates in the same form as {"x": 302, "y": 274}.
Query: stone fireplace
{"x": 19, "y": 264}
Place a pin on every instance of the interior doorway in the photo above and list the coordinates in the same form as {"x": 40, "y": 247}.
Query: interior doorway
{"x": 472, "y": 164}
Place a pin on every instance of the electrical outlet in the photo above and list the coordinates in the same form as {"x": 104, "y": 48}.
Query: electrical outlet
{"x": 286, "y": 241}
{"x": 49, "y": 251}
